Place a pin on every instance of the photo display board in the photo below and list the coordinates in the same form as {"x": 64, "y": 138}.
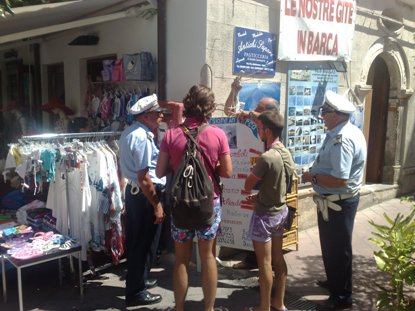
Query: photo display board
{"x": 305, "y": 131}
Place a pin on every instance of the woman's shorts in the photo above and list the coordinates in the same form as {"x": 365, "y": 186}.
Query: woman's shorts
{"x": 209, "y": 233}
{"x": 264, "y": 226}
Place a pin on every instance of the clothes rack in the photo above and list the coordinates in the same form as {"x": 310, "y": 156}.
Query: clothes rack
{"x": 51, "y": 136}
{"x": 69, "y": 138}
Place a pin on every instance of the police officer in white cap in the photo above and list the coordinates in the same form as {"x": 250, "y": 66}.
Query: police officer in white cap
{"x": 143, "y": 198}
{"x": 337, "y": 176}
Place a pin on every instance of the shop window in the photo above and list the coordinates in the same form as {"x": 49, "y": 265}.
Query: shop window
{"x": 56, "y": 89}
{"x": 3, "y": 144}
{"x": 95, "y": 67}
{"x": 14, "y": 85}
{"x": 56, "y": 81}
{"x": 18, "y": 118}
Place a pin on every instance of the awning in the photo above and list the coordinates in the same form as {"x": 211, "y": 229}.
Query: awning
{"x": 39, "y": 20}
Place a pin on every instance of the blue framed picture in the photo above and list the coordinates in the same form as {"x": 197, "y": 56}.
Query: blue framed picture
{"x": 254, "y": 52}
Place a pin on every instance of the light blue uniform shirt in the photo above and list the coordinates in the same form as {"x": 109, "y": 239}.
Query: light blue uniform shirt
{"x": 137, "y": 152}
{"x": 343, "y": 155}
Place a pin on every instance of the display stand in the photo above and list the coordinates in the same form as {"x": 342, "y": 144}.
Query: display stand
{"x": 57, "y": 254}
{"x": 65, "y": 136}
{"x": 290, "y": 237}
{"x": 57, "y": 137}
{"x": 20, "y": 264}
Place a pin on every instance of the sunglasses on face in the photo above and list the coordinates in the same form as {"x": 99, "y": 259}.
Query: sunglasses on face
{"x": 158, "y": 112}
{"x": 325, "y": 110}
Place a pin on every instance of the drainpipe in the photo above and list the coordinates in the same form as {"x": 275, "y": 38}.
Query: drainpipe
{"x": 161, "y": 50}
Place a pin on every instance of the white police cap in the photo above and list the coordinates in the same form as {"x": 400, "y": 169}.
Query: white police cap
{"x": 146, "y": 104}
{"x": 338, "y": 103}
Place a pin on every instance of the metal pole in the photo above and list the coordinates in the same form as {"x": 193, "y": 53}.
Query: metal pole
{"x": 19, "y": 286}
{"x": 3, "y": 276}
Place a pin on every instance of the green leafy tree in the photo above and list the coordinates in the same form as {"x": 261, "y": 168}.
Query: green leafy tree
{"x": 5, "y": 8}
{"x": 396, "y": 258}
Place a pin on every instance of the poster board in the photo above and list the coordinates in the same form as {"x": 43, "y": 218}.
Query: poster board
{"x": 236, "y": 211}
{"x": 245, "y": 147}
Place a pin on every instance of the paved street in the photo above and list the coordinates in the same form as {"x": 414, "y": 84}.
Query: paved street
{"x": 236, "y": 288}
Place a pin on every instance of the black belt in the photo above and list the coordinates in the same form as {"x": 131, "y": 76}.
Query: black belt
{"x": 158, "y": 187}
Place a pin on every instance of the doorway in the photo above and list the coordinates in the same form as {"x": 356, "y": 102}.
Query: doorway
{"x": 377, "y": 111}
{"x": 56, "y": 89}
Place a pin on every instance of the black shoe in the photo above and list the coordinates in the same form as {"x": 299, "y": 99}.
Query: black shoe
{"x": 323, "y": 284}
{"x": 150, "y": 283}
{"x": 142, "y": 298}
{"x": 335, "y": 303}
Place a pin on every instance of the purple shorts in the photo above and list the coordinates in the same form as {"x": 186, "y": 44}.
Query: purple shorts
{"x": 263, "y": 226}
{"x": 209, "y": 233}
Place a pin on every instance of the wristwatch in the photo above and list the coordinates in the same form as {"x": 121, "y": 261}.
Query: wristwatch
{"x": 314, "y": 179}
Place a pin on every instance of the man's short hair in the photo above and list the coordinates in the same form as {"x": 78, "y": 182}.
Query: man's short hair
{"x": 272, "y": 120}
{"x": 267, "y": 103}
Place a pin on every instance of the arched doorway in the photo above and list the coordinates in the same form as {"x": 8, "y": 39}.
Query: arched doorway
{"x": 383, "y": 88}
{"x": 376, "y": 111}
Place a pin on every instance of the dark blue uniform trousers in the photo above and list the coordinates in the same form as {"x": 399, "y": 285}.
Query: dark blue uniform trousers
{"x": 141, "y": 240}
{"x": 336, "y": 246}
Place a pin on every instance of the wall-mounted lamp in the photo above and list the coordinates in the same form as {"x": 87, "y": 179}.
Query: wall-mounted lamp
{"x": 85, "y": 40}
{"x": 339, "y": 65}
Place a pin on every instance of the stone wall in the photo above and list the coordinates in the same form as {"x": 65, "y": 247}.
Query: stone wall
{"x": 373, "y": 37}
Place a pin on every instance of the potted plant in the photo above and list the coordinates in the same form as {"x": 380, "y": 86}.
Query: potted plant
{"x": 396, "y": 257}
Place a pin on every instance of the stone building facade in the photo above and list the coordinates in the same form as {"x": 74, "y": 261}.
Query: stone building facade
{"x": 198, "y": 47}
{"x": 381, "y": 73}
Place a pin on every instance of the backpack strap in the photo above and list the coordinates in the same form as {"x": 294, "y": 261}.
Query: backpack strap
{"x": 288, "y": 176}
{"x": 187, "y": 133}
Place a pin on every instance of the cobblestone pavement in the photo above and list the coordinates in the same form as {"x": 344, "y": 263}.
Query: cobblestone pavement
{"x": 236, "y": 288}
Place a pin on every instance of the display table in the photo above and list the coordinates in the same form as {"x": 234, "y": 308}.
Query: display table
{"x": 53, "y": 255}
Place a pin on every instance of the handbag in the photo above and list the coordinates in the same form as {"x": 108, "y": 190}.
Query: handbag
{"x": 290, "y": 217}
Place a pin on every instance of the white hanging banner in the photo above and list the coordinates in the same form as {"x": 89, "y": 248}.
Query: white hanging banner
{"x": 316, "y": 30}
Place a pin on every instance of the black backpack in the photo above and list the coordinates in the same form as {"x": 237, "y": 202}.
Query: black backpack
{"x": 191, "y": 191}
